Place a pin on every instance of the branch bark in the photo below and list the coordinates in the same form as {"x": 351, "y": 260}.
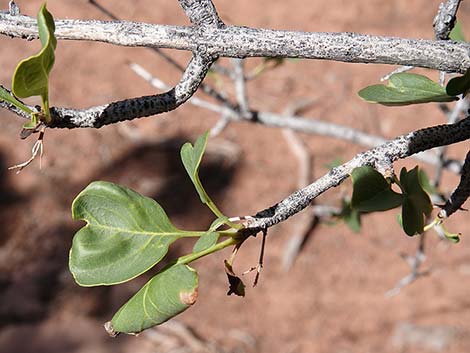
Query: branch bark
{"x": 380, "y": 158}
{"x": 241, "y": 42}
{"x": 445, "y": 19}
{"x": 135, "y": 108}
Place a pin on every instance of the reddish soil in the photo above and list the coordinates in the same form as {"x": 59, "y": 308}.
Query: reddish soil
{"x": 332, "y": 300}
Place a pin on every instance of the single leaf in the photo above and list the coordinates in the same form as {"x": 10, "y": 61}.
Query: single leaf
{"x": 166, "y": 295}
{"x": 206, "y": 241}
{"x": 416, "y": 204}
{"x": 236, "y": 285}
{"x": 31, "y": 77}
{"x": 459, "y": 85}
{"x": 7, "y": 97}
{"x": 412, "y": 218}
{"x": 457, "y": 32}
{"x": 191, "y": 158}
{"x": 404, "y": 89}
{"x": 371, "y": 192}
{"x": 126, "y": 234}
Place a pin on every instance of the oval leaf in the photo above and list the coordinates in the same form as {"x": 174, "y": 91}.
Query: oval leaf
{"x": 31, "y": 77}
{"x": 404, "y": 89}
{"x": 166, "y": 295}
{"x": 126, "y": 235}
{"x": 416, "y": 204}
{"x": 412, "y": 218}
{"x": 371, "y": 192}
{"x": 191, "y": 157}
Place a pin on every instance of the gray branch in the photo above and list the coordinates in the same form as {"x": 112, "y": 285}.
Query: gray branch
{"x": 201, "y": 13}
{"x": 380, "y": 158}
{"x": 135, "y": 108}
{"x": 309, "y": 125}
{"x": 241, "y": 42}
{"x": 445, "y": 19}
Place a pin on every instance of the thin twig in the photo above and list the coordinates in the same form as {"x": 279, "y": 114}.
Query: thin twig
{"x": 297, "y": 123}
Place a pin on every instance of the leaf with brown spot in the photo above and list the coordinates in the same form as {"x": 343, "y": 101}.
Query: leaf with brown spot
{"x": 169, "y": 293}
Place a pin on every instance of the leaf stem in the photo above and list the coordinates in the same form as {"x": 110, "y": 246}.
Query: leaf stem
{"x": 45, "y": 107}
{"x": 216, "y": 247}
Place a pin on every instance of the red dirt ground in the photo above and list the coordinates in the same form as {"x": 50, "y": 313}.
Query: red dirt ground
{"x": 332, "y": 300}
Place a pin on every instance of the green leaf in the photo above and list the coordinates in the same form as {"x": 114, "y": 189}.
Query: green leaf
{"x": 351, "y": 217}
{"x": 425, "y": 183}
{"x": 166, "y": 295}
{"x": 404, "y": 89}
{"x": 457, "y": 32}
{"x": 7, "y": 97}
{"x": 126, "y": 235}
{"x": 416, "y": 203}
{"x": 371, "y": 192}
{"x": 218, "y": 222}
{"x": 31, "y": 77}
{"x": 206, "y": 241}
{"x": 459, "y": 85}
{"x": 191, "y": 158}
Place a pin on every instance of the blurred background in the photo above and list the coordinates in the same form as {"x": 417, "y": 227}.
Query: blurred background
{"x": 335, "y": 297}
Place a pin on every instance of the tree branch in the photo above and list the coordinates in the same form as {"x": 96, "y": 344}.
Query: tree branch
{"x": 135, "y": 108}
{"x": 296, "y": 123}
{"x": 445, "y": 19}
{"x": 201, "y": 13}
{"x": 380, "y": 158}
{"x": 240, "y": 42}
{"x": 460, "y": 194}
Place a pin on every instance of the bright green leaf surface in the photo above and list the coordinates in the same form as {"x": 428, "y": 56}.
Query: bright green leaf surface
{"x": 371, "y": 192}
{"x": 206, "y": 241}
{"x": 126, "y": 235}
{"x": 191, "y": 158}
{"x": 416, "y": 204}
{"x": 459, "y": 85}
{"x": 457, "y": 32}
{"x": 406, "y": 88}
{"x": 7, "y": 97}
{"x": 32, "y": 74}
{"x": 166, "y": 295}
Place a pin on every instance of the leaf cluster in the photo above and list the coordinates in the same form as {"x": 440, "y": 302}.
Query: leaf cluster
{"x": 373, "y": 193}
{"x": 127, "y": 234}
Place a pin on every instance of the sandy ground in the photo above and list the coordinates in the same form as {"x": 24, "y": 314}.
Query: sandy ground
{"x": 332, "y": 300}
